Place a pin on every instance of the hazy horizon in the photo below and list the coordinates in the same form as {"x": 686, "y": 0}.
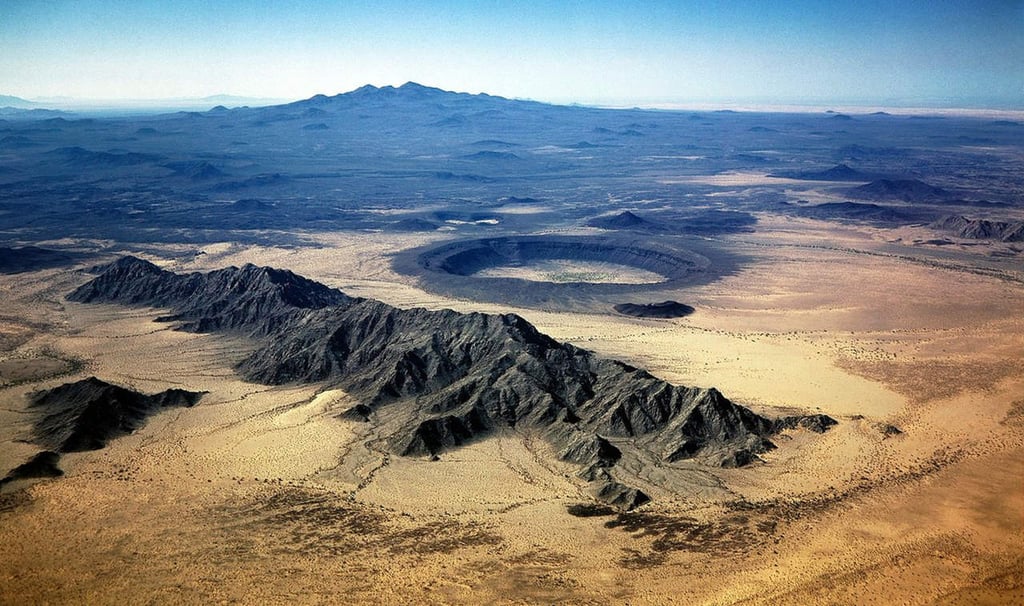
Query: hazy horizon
{"x": 957, "y": 54}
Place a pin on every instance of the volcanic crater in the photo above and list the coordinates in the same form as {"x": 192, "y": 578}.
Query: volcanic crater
{"x": 532, "y": 270}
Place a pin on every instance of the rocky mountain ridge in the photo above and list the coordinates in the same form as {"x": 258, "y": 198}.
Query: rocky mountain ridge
{"x": 449, "y": 378}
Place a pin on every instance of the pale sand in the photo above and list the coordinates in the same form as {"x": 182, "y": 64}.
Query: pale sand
{"x": 263, "y": 495}
{"x": 564, "y": 270}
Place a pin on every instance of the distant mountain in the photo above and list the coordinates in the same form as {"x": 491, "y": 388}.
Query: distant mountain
{"x": 18, "y": 102}
{"x": 856, "y": 211}
{"x": 906, "y": 190}
{"x": 981, "y": 229}
{"x": 448, "y": 378}
{"x": 20, "y": 113}
{"x": 410, "y": 92}
{"x": 32, "y": 258}
{"x": 410, "y": 103}
{"x": 840, "y": 172}
{"x": 83, "y": 158}
{"x": 235, "y": 101}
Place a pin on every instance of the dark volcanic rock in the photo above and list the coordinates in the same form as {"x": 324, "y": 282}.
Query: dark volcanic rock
{"x": 448, "y": 378}
{"x": 86, "y": 414}
{"x": 665, "y": 309}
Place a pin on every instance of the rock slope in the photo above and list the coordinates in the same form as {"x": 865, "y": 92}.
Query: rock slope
{"x": 447, "y": 378}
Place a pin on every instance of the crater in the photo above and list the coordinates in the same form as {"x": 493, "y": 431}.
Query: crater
{"x": 541, "y": 271}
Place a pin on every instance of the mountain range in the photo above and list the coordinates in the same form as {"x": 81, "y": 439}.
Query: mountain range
{"x": 447, "y": 378}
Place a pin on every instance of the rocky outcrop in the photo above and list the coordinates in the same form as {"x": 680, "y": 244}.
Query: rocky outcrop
{"x": 981, "y": 229}
{"x": 85, "y": 415}
{"x": 449, "y": 378}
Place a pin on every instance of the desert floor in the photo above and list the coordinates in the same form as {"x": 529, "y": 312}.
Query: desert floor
{"x": 262, "y": 495}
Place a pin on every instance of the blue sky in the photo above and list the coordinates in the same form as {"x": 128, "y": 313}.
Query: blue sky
{"x": 943, "y": 52}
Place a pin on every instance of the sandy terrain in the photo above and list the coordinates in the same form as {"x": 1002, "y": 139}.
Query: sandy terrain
{"x": 558, "y": 270}
{"x": 262, "y": 495}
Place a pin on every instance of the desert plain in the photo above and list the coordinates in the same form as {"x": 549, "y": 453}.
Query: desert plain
{"x": 262, "y": 494}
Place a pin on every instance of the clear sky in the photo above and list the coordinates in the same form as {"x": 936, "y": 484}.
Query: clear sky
{"x": 895, "y": 52}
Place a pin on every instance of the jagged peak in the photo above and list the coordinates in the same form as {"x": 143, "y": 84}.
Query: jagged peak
{"x": 131, "y": 263}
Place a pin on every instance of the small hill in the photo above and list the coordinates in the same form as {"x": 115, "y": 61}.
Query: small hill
{"x": 905, "y": 190}
{"x": 231, "y": 298}
{"x": 413, "y": 225}
{"x": 665, "y": 309}
{"x": 491, "y": 155}
{"x": 78, "y": 157}
{"x": 857, "y": 211}
{"x": 252, "y": 205}
{"x": 257, "y": 181}
{"x": 493, "y": 143}
{"x": 840, "y": 172}
{"x": 196, "y": 170}
{"x": 85, "y": 415}
{"x": 623, "y": 220}
{"x": 43, "y": 464}
{"x": 703, "y": 222}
